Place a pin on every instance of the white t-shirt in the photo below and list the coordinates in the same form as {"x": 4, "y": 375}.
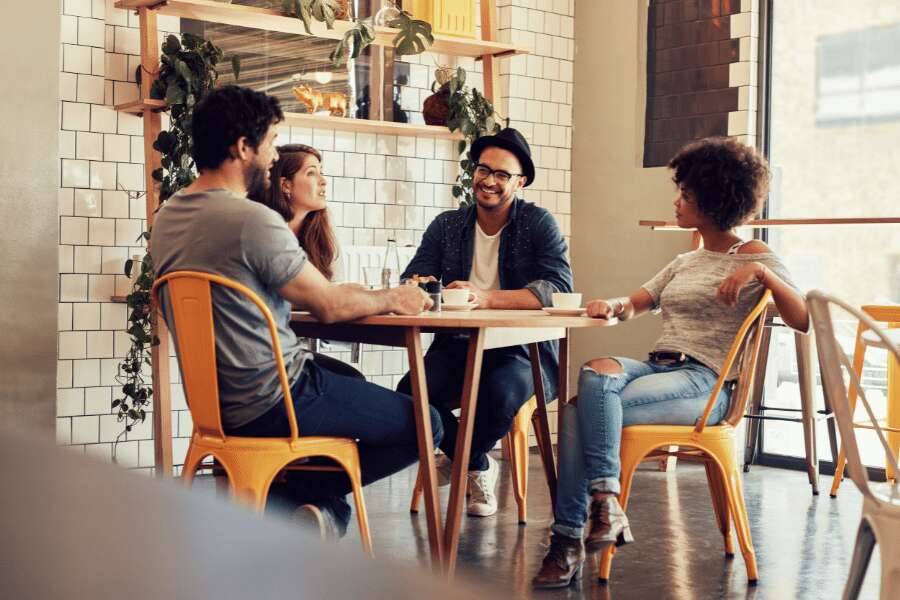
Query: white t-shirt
{"x": 485, "y": 274}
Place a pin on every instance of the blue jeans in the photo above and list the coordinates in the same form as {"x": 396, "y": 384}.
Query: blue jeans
{"x": 506, "y": 384}
{"x": 326, "y": 403}
{"x": 643, "y": 393}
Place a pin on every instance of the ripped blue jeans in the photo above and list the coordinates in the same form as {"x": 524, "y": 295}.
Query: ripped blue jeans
{"x": 643, "y": 393}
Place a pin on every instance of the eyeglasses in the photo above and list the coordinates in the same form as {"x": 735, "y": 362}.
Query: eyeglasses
{"x": 501, "y": 177}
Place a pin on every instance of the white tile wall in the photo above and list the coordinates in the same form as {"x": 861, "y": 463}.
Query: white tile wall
{"x": 379, "y": 187}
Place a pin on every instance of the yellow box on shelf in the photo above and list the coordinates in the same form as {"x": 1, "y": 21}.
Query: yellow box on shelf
{"x": 447, "y": 17}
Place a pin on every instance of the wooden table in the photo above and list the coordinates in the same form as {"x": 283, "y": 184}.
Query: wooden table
{"x": 485, "y": 329}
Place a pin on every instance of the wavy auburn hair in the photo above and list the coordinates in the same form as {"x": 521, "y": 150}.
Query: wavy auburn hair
{"x": 316, "y": 236}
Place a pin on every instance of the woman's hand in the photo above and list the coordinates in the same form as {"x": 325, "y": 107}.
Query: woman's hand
{"x": 730, "y": 288}
{"x": 599, "y": 309}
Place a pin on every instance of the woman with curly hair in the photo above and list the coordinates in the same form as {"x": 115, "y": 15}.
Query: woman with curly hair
{"x": 704, "y": 296}
{"x": 298, "y": 193}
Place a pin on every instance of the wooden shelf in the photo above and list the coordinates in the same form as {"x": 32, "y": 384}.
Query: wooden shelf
{"x": 765, "y": 223}
{"x": 367, "y": 126}
{"x": 119, "y": 299}
{"x": 136, "y": 107}
{"x": 273, "y": 20}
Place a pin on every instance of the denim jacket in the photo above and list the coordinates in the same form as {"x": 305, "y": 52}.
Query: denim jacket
{"x": 532, "y": 257}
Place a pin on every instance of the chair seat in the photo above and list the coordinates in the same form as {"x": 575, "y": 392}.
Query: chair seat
{"x": 685, "y": 435}
{"x": 272, "y": 444}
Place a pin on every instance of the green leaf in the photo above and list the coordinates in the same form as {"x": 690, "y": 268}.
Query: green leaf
{"x": 171, "y": 45}
{"x": 236, "y": 66}
{"x": 414, "y": 36}
{"x": 323, "y": 11}
{"x": 174, "y": 94}
{"x": 128, "y": 266}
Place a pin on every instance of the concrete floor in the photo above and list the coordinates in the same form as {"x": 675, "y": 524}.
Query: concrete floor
{"x": 803, "y": 542}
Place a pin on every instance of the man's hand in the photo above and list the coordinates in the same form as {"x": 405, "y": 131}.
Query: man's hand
{"x": 482, "y": 297}
{"x": 730, "y": 288}
{"x": 599, "y": 309}
{"x": 409, "y": 300}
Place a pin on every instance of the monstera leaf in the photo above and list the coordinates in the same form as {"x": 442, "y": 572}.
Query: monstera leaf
{"x": 307, "y": 10}
{"x": 414, "y": 35}
{"x": 353, "y": 43}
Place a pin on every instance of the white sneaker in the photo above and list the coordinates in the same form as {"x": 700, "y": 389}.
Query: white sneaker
{"x": 482, "y": 485}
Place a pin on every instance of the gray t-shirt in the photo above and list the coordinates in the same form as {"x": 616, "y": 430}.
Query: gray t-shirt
{"x": 219, "y": 232}
{"x": 694, "y": 321}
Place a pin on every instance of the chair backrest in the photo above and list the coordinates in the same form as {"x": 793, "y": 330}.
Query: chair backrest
{"x": 190, "y": 301}
{"x": 832, "y": 364}
{"x": 745, "y": 348}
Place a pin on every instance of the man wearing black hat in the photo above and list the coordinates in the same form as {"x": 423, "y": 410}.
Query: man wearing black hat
{"x": 510, "y": 254}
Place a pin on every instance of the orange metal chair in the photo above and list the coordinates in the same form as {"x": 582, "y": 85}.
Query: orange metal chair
{"x": 713, "y": 445}
{"x": 889, "y": 314}
{"x": 517, "y": 444}
{"x": 250, "y": 463}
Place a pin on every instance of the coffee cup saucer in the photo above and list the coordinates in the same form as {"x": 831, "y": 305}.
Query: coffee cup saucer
{"x": 465, "y": 306}
{"x": 564, "y": 312}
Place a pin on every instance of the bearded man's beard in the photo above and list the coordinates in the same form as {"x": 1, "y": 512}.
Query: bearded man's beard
{"x": 257, "y": 181}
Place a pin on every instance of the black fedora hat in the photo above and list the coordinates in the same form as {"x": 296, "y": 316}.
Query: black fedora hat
{"x": 513, "y": 141}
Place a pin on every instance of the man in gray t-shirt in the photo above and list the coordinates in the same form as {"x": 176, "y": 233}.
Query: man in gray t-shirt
{"x": 211, "y": 226}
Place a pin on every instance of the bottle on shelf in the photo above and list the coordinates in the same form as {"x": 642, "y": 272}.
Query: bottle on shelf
{"x": 390, "y": 270}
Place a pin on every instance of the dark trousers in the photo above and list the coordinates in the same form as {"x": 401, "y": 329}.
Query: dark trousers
{"x": 506, "y": 384}
{"x": 325, "y": 403}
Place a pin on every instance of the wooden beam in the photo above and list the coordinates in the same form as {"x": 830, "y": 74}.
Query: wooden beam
{"x": 491, "y": 68}
{"x": 273, "y": 20}
{"x": 159, "y": 355}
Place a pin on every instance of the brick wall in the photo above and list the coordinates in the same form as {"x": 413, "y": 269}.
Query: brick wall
{"x": 691, "y": 47}
{"x": 380, "y": 187}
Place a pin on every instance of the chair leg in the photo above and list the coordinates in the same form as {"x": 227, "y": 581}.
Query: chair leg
{"x": 731, "y": 477}
{"x": 862, "y": 552}
{"x": 720, "y": 505}
{"x": 191, "y": 462}
{"x": 807, "y": 408}
{"x": 348, "y": 459}
{"x": 838, "y": 473}
{"x": 889, "y": 548}
{"x": 752, "y": 439}
{"x": 630, "y": 458}
{"x": 517, "y": 441}
{"x": 417, "y": 492}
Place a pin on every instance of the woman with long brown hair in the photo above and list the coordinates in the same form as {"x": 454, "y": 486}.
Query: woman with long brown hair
{"x": 298, "y": 193}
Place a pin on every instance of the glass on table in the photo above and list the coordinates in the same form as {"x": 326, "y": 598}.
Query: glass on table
{"x": 372, "y": 276}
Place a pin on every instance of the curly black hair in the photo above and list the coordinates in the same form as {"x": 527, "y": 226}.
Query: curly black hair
{"x": 728, "y": 180}
{"x": 225, "y": 115}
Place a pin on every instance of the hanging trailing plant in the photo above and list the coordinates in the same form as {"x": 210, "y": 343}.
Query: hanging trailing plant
{"x": 414, "y": 35}
{"x": 187, "y": 72}
{"x": 470, "y": 113}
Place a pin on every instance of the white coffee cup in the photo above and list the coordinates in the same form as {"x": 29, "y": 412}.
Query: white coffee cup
{"x": 458, "y": 297}
{"x": 566, "y": 301}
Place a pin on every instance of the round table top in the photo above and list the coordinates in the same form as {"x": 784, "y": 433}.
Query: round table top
{"x": 870, "y": 338}
{"x": 472, "y": 319}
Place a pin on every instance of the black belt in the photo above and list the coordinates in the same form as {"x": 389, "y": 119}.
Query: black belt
{"x": 669, "y": 358}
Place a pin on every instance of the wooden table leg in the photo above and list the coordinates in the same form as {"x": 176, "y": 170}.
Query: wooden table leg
{"x": 426, "y": 447}
{"x": 563, "y": 382}
{"x": 808, "y": 412}
{"x": 543, "y": 437}
{"x": 468, "y": 403}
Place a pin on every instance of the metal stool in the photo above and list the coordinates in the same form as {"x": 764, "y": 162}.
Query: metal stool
{"x": 808, "y": 415}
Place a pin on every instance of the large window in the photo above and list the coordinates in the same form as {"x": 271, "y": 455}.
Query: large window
{"x": 834, "y": 130}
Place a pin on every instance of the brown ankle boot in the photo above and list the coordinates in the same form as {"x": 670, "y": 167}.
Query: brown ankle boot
{"x": 609, "y": 525}
{"x": 562, "y": 565}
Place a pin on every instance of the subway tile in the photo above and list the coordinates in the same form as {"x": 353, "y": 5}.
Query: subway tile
{"x": 300, "y": 135}
{"x": 354, "y": 218}
{"x": 67, "y": 144}
{"x": 128, "y": 231}
{"x": 386, "y": 144}
{"x": 89, "y": 146}
{"x": 109, "y": 370}
{"x": 374, "y": 216}
{"x": 137, "y": 207}
{"x": 99, "y": 345}
{"x": 76, "y": 59}
{"x": 425, "y": 147}
{"x": 130, "y": 125}
{"x": 103, "y": 175}
{"x": 103, "y": 119}
{"x": 342, "y": 189}
{"x": 91, "y": 32}
{"x": 76, "y": 116}
{"x": 375, "y": 166}
{"x": 365, "y": 143}
{"x": 86, "y": 373}
{"x": 125, "y": 91}
{"x": 78, "y": 8}
{"x": 137, "y": 149}
{"x": 72, "y": 345}
{"x": 101, "y": 287}
{"x": 543, "y": 45}
{"x": 66, "y": 256}
{"x": 63, "y": 431}
{"x": 130, "y": 176}
{"x": 64, "y": 316}
{"x": 333, "y": 164}
{"x": 424, "y": 194}
{"x": 415, "y": 169}
{"x": 406, "y": 192}
{"x": 393, "y": 217}
{"x": 323, "y": 139}
{"x": 406, "y": 146}
{"x": 395, "y": 167}
{"x": 445, "y": 149}
{"x": 434, "y": 171}
{"x": 558, "y": 92}
{"x": 65, "y": 201}
{"x": 102, "y": 232}
{"x": 344, "y": 141}
{"x": 385, "y": 192}
{"x": 121, "y": 343}
{"x": 85, "y": 430}
{"x": 85, "y": 316}
{"x": 68, "y": 87}
{"x": 73, "y": 230}
{"x": 112, "y": 316}
{"x": 364, "y": 191}
{"x": 68, "y": 29}
{"x": 115, "y": 204}
{"x": 100, "y": 452}
{"x": 113, "y": 260}
{"x": 87, "y": 259}
{"x": 127, "y": 41}
{"x": 69, "y": 402}
{"x": 116, "y": 148}
{"x": 355, "y": 165}
{"x": 110, "y": 428}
